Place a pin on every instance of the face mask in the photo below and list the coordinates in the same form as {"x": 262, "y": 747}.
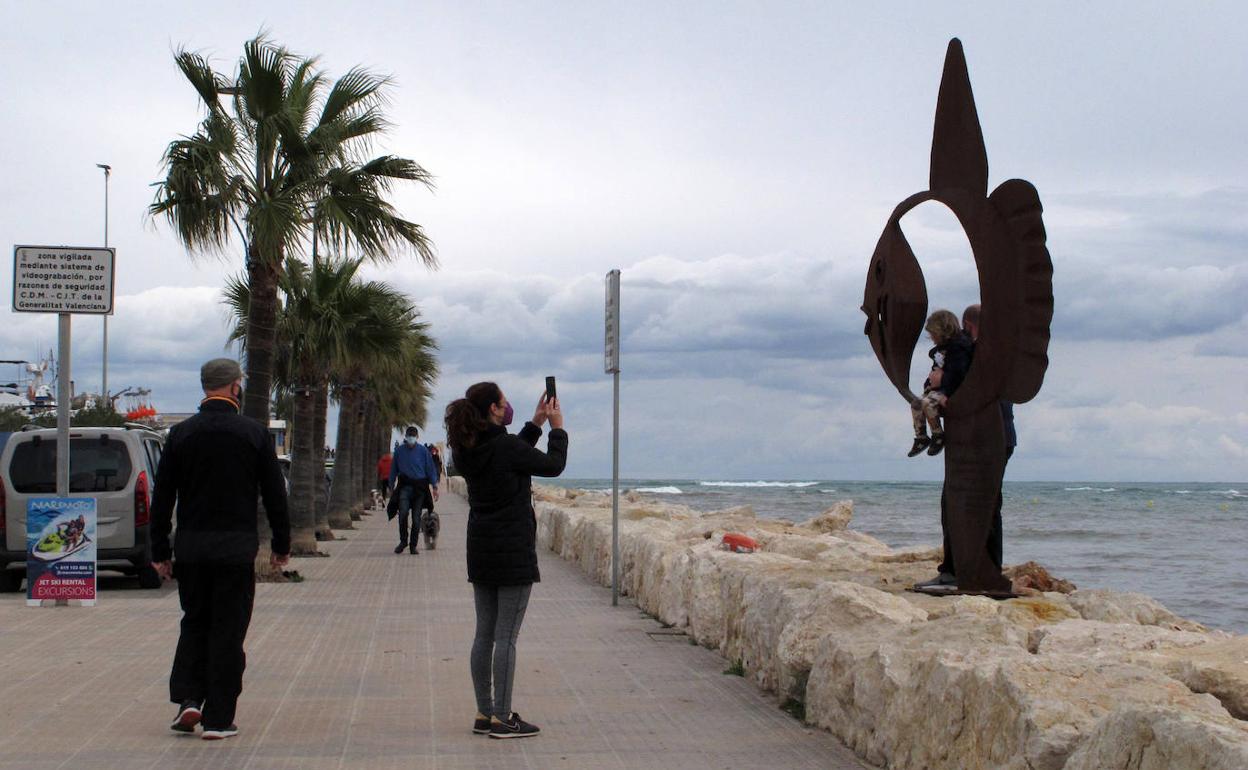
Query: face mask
{"x": 508, "y": 413}
{"x": 410, "y": 440}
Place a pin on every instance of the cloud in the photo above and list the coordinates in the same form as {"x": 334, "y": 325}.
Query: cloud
{"x": 157, "y": 340}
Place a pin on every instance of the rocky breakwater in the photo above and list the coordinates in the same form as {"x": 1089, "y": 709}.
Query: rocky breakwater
{"x": 1063, "y": 678}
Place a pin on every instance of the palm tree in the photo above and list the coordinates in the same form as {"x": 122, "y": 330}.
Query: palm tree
{"x": 404, "y": 364}
{"x": 329, "y": 318}
{"x": 281, "y": 164}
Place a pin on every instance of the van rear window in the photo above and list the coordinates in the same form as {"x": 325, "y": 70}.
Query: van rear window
{"x": 94, "y": 466}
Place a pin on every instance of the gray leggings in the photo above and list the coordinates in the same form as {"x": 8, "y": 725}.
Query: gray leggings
{"x": 500, "y": 611}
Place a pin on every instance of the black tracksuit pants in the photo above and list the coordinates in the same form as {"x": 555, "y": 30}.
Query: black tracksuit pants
{"x": 216, "y": 610}
{"x": 414, "y": 496}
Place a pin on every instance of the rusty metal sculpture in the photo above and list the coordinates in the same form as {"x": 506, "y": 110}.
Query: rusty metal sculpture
{"x": 1007, "y": 238}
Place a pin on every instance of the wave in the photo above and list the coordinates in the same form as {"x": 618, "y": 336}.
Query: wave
{"x": 828, "y": 491}
{"x": 757, "y": 483}
{"x": 1090, "y": 489}
{"x": 660, "y": 490}
{"x": 1228, "y": 493}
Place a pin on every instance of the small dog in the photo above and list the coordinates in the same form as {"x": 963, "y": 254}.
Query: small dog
{"x": 430, "y": 524}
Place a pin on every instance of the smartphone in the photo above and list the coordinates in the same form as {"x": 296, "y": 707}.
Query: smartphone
{"x": 550, "y": 388}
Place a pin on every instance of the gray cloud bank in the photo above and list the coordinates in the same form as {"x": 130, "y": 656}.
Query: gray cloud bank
{"x": 755, "y": 365}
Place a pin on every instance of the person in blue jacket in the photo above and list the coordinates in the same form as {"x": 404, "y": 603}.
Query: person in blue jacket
{"x": 413, "y": 475}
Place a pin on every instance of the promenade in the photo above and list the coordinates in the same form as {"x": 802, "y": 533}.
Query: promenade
{"x": 365, "y": 665}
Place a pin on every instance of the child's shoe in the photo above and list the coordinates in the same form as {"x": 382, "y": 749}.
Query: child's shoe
{"x": 920, "y": 443}
{"x": 938, "y": 443}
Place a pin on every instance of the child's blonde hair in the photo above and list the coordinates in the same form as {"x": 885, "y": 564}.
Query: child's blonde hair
{"x": 943, "y": 326}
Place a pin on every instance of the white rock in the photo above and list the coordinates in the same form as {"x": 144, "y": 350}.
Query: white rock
{"x": 1219, "y": 667}
{"x": 1098, "y": 639}
{"x": 913, "y": 681}
{"x": 797, "y": 546}
{"x": 833, "y": 519}
{"x": 1159, "y": 738}
{"x": 1115, "y": 607}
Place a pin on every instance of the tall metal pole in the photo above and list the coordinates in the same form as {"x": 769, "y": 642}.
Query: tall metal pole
{"x": 104, "y": 379}
{"x": 611, "y": 364}
{"x": 615, "y": 490}
{"x": 63, "y": 397}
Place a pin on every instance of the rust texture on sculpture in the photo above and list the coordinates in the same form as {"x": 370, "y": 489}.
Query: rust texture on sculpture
{"x": 1007, "y": 238}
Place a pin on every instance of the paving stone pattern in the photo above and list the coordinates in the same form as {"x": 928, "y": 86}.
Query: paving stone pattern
{"x": 365, "y": 665}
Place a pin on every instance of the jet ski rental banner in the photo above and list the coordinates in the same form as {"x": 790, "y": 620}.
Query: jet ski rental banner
{"x": 60, "y": 548}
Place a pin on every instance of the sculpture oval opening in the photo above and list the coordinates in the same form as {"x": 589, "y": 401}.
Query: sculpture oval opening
{"x": 943, "y": 250}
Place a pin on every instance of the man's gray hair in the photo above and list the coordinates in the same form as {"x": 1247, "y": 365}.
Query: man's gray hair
{"x": 219, "y": 372}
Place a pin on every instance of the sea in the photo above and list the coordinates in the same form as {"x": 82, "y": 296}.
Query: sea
{"x": 1184, "y": 544}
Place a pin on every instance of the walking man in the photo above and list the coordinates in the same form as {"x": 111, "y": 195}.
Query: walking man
{"x": 214, "y": 467}
{"x": 413, "y": 475}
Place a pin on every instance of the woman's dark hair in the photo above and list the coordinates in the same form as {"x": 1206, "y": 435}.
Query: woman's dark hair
{"x": 467, "y": 417}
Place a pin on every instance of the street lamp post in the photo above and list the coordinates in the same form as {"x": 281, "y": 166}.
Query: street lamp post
{"x": 104, "y": 383}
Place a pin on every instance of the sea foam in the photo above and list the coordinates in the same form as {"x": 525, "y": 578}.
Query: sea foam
{"x": 757, "y": 483}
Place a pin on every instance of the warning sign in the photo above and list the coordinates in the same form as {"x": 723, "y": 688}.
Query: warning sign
{"x": 63, "y": 279}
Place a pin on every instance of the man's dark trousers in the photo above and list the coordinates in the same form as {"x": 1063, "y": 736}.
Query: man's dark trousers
{"x": 216, "y": 610}
{"x": 411, "y": 494}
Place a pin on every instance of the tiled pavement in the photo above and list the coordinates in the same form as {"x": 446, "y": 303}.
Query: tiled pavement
{"x": 365, "y": 665}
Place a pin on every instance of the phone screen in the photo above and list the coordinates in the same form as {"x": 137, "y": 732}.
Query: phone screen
{"x": 550, "y": 388}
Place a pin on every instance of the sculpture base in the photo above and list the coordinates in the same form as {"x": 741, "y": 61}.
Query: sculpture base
{"x": 955, "y": 591}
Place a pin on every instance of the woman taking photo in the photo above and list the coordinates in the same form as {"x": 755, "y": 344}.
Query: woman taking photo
{"x": 502, "y": 535}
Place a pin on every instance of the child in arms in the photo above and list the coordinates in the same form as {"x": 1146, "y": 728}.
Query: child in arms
{"x": 951, "y": 358}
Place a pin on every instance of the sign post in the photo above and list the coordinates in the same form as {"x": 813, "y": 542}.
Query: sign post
{"x": 62, "y": 280}
{"x": 611, "y": 365}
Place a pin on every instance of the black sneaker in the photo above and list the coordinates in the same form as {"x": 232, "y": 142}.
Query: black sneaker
{"x": 217, "y": 733}
{"x": 920, "y": 443}
{"x": 481, "y": 725}
{"x": 513, "y": 727}
{"x": 938, "y": 443}
{"x": 414, "y": 550}
{"x": 189, "y": 714}
{"x": 399, "y": 548}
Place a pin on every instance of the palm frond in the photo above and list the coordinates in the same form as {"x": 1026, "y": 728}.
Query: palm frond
{"x": 201, "y": 76}
{"x": 357, "y": 90}
{"x": 236, "y": 296}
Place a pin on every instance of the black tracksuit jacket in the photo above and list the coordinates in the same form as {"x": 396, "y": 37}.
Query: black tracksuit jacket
{"x": 502, "y": 528}
{"x": 215, "y": 466}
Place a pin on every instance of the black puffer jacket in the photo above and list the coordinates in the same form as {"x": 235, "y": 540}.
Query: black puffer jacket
{"x": 502, "y": 528}
{"x": 214, "y": 467}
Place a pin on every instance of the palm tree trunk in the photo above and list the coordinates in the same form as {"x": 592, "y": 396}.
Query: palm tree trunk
{"x": 368, "y": 447}
{"x": 320, "y": 417}
{"x": 341, "y": 494}
{"x": 357, "y": 452}
{"x": 261, "y": 336}
{"x": 261, "y": 340}
{"x": 303, "y": 475}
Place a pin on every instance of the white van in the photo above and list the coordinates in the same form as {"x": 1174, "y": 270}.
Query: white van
{"x": 116, "y": 466}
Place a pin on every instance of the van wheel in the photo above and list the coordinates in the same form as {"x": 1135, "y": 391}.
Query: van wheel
{"x": 149, "y": 577}
{"x": 11, "y": 580}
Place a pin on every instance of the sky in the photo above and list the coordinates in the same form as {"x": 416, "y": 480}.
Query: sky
{"x": 737, "y": 162}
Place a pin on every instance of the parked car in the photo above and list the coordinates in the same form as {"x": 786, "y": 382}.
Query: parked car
{"x": 116, "y": 466}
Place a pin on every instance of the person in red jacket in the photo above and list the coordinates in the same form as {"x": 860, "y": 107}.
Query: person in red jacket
{"x": 383, "y": 475}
